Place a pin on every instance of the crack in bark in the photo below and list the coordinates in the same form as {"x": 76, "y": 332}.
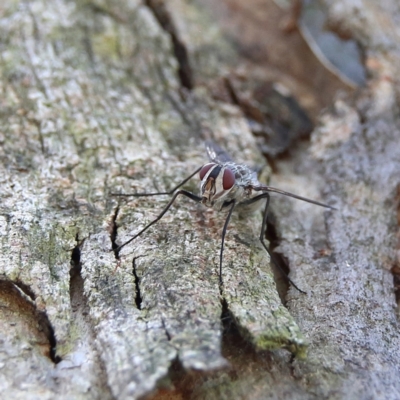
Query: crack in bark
{"x": 138, "y": 297}
{"x": 166, "y": 331}
{"x": 160, "y": 12}
{"x": 47, "y": 327}
{"x": 114, "y": 233}
{"x": 232, "y": 337}
{"x": 282, "y": 270}
{"x": 52, "y": 339}
{"x": 26, "y": 289}
{"x": 76, "y": 265}
{"x": 292, "y": 367}
{"x": 80, "y": 312}
{"x": 180, "y": 383}
{"x": 24, "y": 309}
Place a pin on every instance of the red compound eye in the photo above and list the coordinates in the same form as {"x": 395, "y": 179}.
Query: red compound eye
{"x": 228, "y": 179}
{"x": 205, "y": 169}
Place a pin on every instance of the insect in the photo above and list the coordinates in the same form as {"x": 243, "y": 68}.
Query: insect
{"x": 225, "y": 185}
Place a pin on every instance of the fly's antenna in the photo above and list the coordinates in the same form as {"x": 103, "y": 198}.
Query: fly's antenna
{"x": 295, "y": 196}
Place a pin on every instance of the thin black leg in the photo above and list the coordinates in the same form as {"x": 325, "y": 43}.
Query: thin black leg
{"x": 183, "y": 192}
{"x": 262, "y": 234}
{"x": 158, "y": 193}
{"x": 232, "y": 205}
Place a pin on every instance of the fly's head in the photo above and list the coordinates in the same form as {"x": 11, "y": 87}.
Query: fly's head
{"x": 217, "y": 181}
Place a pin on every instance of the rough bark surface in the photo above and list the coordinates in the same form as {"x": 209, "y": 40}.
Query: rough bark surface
{"x": 101, "y": 98}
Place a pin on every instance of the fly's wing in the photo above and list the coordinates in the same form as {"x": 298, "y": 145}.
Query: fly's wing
{"x": 216, "y": 153}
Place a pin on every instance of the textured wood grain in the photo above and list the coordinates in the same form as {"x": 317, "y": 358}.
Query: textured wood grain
{"x": 94, "y": 102}
{"x": 92, "y": 105}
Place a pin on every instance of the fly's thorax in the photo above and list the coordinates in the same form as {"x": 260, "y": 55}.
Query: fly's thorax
{"x": 217, "y": 184}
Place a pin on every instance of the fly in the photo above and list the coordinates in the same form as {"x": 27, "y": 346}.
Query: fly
{"x": 225, "y": 185}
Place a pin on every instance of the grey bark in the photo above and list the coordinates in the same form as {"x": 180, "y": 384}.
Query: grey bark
{"x": 92, "y": 105}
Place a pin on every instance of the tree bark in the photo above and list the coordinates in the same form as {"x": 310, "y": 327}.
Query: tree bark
{"x": 103, "y": 98}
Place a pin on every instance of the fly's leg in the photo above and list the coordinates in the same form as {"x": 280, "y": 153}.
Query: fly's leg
{"x": 158, "y": 193}
{"x": 191, "y": 196}
{"x": 232, "y": 205}
{"x": 262, "y": 233}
